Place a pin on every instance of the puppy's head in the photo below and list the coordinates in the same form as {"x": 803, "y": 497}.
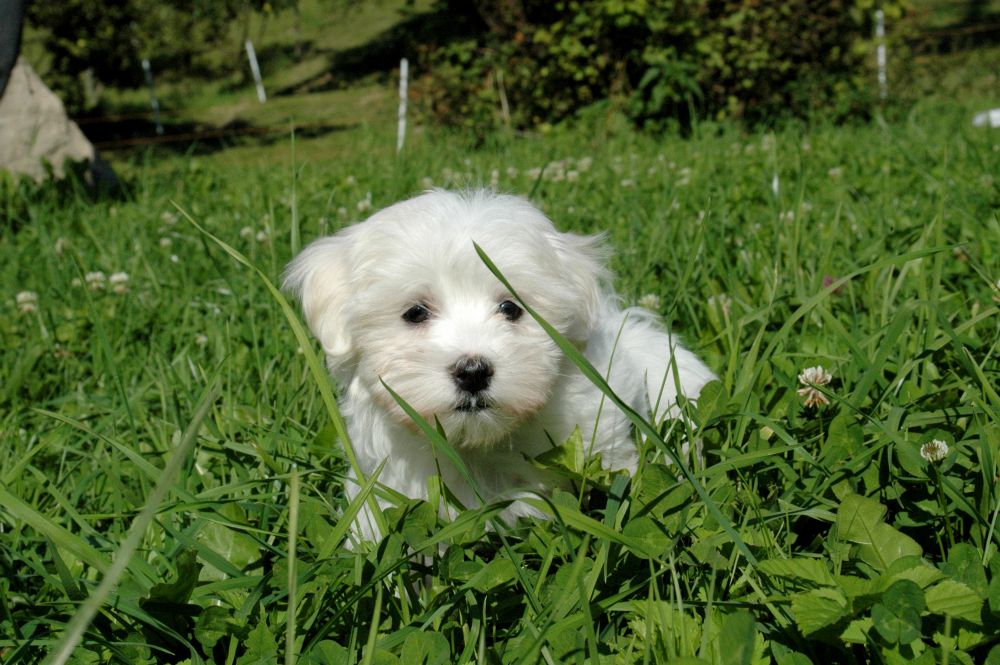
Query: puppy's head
{"x": 403, "y": 298}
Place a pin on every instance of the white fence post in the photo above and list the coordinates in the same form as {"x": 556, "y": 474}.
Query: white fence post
{"x": 883, "y": 89}
{"x": 252, "y": 57}
{"x": 404, "y": 73}
{"x": 153, "y": 102}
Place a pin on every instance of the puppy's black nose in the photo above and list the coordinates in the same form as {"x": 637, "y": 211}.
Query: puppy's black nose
{"x": 472, "y": 374}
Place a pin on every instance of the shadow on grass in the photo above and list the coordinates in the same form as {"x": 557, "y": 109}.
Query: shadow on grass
{"x": 977, "y": 28}
{"x": 380, "y": 56}
{"x": 130, "y": 133}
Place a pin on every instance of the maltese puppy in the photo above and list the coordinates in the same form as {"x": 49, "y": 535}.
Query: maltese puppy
{"x": 403, "y": 300}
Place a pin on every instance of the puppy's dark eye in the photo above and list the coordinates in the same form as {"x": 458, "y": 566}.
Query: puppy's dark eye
{"x": 416, "y": 314}
{"x": 510, "y": 310}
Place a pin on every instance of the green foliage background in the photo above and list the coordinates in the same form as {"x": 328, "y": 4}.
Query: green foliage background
{"x": 668, "y": 61}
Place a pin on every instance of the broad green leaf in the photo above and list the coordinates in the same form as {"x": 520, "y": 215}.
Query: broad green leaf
{"x": 261, "y": 648}
{"x": 649, "y": 533}
{"x": 965, "y": 564}
{"x": 228, "y": 542}
{"x": 896, "y": 626}
{"x": 425, "y": 648}
{"x": 327, "y": 652}
{"x": 954, "y": 599}
{"x": 214, "y": 622}
{"x": 857, "y": 518}
{"x": 904, "y": 595}
{"x": 887, "y": 546}
{"x": 913, "y": 568}
{"x": 843, "y": 439}
{"x": 785, "y": 656}
{"x": 569, "y": 456}
{"x": 800, "y": 569}
{"x": 179, "y": 591}
{"x": 736, "y": 640}
{"x": 496, "y": 573}
{"x": 908, "y": 454}
{"x": 857, "y": 631}
{"x": 993, "y": 594}
{"x": 818, "y": 609}
{"x": 711, "y": 401}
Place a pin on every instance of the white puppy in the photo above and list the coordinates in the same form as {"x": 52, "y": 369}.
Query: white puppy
{"x": 403, "y": 298}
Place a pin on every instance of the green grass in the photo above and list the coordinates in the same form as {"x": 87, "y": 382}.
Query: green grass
{"x": 822, "y": 534}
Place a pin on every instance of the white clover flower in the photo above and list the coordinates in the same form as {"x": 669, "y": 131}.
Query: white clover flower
{"x": 200, "y": 340}
{"x": 494, "y": 178}
{"x": 61, "y": 245}
{"x": 350, "y": 181}
{"x": 365, "y": 204}
{"x": 806, "y": 147}
{"x": 174, "y": 258}
{"x": 628, "y": 182}
{"x": 168, "y": 218}
{"x": 75, "y": 282}
{"x": 511, "y": 172}
{"x": 246, "y": 233}
{"x": 810, "y": 378}
{"x": 166, "y": 242}
{"x": 262, "y": 237}
{"x": 533, "y": 174}
{"x": 427, "y": 182}
{"x": 572, "y": 175}
{"x": 787, "y": 216}
{"x": 342, "y": 212}
{"x": 649, "y": 301}
{"x": 996, "y": 296}
{"x": 934, "y": 451}
{"x": 95, "y": 280}
{"x": 584, "y": 163}
{"x": 27, "y": 301}
{"x": 119, "y": 282}
{"x": 835, "y": 172}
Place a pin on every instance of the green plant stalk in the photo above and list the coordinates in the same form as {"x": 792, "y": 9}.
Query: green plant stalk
{"x": 293, "y": 534}
{"x": 943, "y": 503}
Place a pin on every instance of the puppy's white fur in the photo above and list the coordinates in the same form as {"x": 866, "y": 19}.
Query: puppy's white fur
{"x": 357, "y": 285}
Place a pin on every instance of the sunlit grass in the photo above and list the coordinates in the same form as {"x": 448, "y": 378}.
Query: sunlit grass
{"x": 871, "y": 251}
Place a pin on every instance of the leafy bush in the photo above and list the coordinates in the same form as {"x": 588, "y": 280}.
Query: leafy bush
{"x": 665, "y": 60}
{"x": 90, "y": 44}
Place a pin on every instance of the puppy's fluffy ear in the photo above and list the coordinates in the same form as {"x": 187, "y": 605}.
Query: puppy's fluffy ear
{"x": 320, "y": 278}
{"x": 583, "y": 262}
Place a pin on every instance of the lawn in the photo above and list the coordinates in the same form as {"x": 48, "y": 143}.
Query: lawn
{"x": 166, "y": 429}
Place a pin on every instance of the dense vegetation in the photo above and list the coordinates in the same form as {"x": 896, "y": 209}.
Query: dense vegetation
{"x": 666, "y": 61}
{"x": 170, "y": 472}
{"x": 151, "y": 378}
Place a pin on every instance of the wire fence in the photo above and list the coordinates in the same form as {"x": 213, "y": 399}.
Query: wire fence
{"x": 178, "y": 126}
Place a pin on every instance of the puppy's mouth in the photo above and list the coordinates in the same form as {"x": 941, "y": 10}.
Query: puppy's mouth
{"x": 472, "y": 404}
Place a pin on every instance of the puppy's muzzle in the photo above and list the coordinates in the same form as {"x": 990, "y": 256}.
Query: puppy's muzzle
{"x": 472, "y": 374}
